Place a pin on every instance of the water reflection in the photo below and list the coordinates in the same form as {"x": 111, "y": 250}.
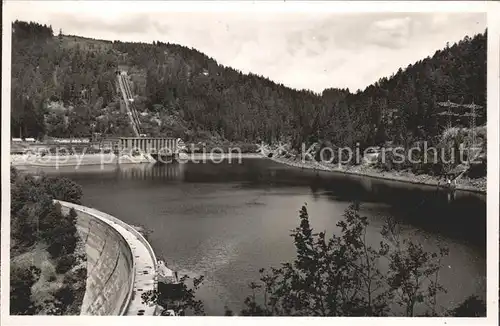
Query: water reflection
{"x": 367, "y": 184}
{"x": 164, "y": 172}
{"x": 462, "y": 215}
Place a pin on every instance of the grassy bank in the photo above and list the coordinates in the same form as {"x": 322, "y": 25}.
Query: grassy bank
{"x": 465, "y": 184}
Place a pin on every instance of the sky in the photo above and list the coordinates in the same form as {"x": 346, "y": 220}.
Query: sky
{"x": 303, "y": 50}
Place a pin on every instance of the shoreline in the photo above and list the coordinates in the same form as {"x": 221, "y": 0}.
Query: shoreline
{"x": 111, "y": 159}
{"x": 363, "y": 171}
{"x": 74, "y": 160}
{"x": 382, "y": 175}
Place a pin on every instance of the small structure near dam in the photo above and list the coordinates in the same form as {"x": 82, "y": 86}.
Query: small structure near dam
{"x": 160, "y": 148}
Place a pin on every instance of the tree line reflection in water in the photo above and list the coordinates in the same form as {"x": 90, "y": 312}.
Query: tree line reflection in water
{"x": 168, "y": 172}
{"x": 463, "y": 216}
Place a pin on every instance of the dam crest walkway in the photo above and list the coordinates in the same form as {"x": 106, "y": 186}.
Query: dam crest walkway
{"x": 143, "y": 276}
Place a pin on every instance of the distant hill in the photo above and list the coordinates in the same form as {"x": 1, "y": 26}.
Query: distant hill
{"x": 184, "y": 93}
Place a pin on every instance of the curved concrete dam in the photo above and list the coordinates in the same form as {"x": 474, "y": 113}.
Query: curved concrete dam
{"x": 121, "y": 264}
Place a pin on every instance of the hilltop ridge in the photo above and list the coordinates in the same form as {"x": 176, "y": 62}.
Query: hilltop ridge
{"x": 182, "y": 92}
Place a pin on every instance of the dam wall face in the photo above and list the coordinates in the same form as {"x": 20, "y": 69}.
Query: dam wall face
{"x": 110, "y": 265}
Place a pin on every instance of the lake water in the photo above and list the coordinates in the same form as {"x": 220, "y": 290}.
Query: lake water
{"x": 226, "y": 221}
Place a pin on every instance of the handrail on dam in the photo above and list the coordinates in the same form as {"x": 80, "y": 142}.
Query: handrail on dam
{"x": 111, "y": 220}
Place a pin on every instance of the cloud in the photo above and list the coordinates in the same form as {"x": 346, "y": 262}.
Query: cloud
{"x": 302, "y": 50}
{"x": 392, "y": 33}
{"x": 137, "y": 24}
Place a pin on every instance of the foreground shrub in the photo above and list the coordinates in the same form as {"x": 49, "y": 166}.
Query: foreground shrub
{"x": 65, "y": 263}
{"x": 63, "y": 189}
{"x": 64, "y": 298}
{"x": 21, "y": 281}
{"x": 340, "y": 275}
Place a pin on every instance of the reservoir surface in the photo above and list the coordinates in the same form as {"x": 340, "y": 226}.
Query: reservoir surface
{"x": 226, "y": 221}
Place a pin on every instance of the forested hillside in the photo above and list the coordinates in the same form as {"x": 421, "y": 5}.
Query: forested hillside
{"x": 65, "y": 86}
{"x": 48, "y": 265}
